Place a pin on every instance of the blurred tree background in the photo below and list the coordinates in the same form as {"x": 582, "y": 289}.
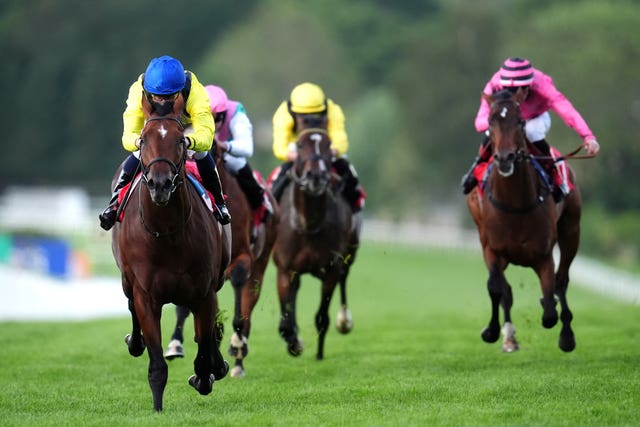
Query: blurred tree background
{"x": 408, "y": 74}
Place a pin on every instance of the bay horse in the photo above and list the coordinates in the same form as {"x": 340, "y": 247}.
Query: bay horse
{"x": 317, "y": 234}
{"x": 519, "y": 223}
{"x": 170, "y": 249}
{"x": 249, "y": 259}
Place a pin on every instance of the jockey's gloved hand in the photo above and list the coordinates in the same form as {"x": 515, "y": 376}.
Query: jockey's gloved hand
{"x": 591, "y": 145}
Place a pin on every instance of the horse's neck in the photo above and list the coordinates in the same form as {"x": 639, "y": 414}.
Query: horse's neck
{"x": 309, "y": 211}
{"x": 519, "y": 189}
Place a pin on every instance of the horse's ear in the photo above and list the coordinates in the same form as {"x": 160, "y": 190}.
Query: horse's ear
{"x": 178, "y": 105}
{"x": 146, "y": 105}
{"x": 488, "y": 98}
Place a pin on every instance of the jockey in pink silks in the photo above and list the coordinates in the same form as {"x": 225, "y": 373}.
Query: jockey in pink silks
{"x": 540, "y": 96}
{"x": 234, "y": 135}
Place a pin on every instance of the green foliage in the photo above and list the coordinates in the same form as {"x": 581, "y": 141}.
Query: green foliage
{"x": 67, "y": 74}
{"x": 415, "y": 357}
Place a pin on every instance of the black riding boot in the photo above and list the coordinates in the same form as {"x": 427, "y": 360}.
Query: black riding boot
{"x": 253, "y": 190}
{"x": 281, "y": 181}
{"x": 351, "y": 190}
{"x": 211, "y": 181}
{"x": 549, "y": 166}
{"x": 109, "y": 216}
{"x": 484, "y": 153}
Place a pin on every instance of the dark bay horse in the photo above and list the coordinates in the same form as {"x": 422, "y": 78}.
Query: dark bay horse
{"x": 170, "y": 249}
{"x": 317, "y": 234}
{"x": 519, "y": 223}
{"x": 249, "y": 259}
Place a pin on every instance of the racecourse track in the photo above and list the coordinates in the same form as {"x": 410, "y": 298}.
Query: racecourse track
{"x": 26, "y": 295}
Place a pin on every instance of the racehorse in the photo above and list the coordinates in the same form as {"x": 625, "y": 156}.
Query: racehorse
{"x": 519, "y": 223}
{"x": 249, "y": 259}
{"x": 170, "y": 249}
{"x": 317, "y": 234}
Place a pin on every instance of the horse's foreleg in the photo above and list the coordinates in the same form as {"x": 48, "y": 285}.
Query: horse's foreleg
{"x": 238, "y": 346}
{"x": 208, "y": 364}
{"x": 322, "y": 316}
{"x": 175, "y": 348}
{"x": 568, "y": 241}
{"x": 495, "y": 286}
{"x": 344, "y": 321}
{"x": 149, "y": 317}
{"x": 546, "y": 275}
{"x": 288, "y": 285}
{"x": 134, "y": 340}
{"x": 509, "y": 342}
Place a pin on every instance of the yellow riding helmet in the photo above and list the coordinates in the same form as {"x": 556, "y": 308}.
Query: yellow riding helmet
{"x": 307, "y": 98}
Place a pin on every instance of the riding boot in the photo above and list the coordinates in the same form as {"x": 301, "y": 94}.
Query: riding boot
{"x": 352, "y": 190}
{"x": 211, "y": 181}
{"x": 282, "y": 180}
{"x": 554, "y": 171}
{"x": 254, "y": 191}
{"x": 109, "y": 216}
{"x": 469, "y": 181}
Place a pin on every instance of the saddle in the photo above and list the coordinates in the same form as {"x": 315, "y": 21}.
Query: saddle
{"x": 193, "y": 177}
{"x": 549, "y": 173}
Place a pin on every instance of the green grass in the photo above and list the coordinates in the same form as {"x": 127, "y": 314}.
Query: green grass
{"x": 415, "y": 357}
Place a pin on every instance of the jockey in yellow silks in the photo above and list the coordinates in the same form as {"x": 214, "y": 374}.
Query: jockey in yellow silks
{"x": 307, "y": 107}
{"x": 162, "y": 83}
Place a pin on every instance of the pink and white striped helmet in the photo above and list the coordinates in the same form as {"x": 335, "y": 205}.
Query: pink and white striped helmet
{"x": 516, "y": 72}
{"x": 217, "y": 98}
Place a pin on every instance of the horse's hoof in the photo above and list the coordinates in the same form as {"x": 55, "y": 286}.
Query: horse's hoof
{"x": 490, "y": 335}
{"x": 344, "y": 321}
{"x": 237, "y": 372}
{"x": 174, "y": 349}
{"x": 135, "y": 349}
{"x": 223, "y": 373}
{"x": 567, "y": 342}
{"x": 203, "y": 387}
{"x": 295, "y": 348}
{"x": 550, "y": 321}
{"x": 509, "y": 346}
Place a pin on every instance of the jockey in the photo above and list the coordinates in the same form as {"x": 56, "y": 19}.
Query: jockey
{"x": 162, "y": 83}
{"x": 540, "y": 95}
{"x": 234, "y": 135}
{"x": 307, "y": 107}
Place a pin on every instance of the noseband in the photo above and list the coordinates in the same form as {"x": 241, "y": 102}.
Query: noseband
{"x": 176, "y": 170}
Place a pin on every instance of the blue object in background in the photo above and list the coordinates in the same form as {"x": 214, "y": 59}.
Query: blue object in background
{"x": 46, "y": 255}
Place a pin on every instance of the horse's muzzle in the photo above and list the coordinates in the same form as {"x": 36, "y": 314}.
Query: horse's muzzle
{"x": 160, "y": 190}
{"x": 505, "y": 163}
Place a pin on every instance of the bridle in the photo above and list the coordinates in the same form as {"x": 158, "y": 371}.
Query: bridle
{"x": 304, "y": 180}
{"x": 176, "y": 181}
{"x": 519, "y": 156}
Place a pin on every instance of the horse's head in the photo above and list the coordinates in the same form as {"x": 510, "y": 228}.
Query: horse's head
{"x": 162, "y": 148}
{"x": 506, "y": 130}
{"x": 312, "y": 168}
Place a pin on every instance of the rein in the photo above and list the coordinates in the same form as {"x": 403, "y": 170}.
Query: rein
{"x": 570, "y": 155}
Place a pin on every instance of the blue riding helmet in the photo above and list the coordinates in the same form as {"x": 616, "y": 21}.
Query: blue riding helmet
{"x": 164, "y": 76}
